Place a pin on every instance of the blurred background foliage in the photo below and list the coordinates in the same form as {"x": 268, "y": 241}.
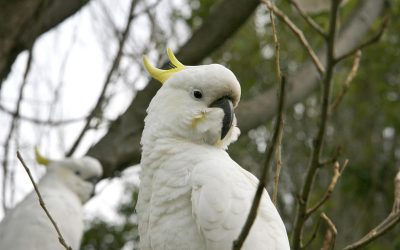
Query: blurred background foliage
{"x": 365, "y": 127}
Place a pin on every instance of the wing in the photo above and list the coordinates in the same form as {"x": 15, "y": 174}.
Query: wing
{"x": 222, "y": 194}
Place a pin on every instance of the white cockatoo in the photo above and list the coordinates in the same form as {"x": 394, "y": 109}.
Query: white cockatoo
{"x": 67, "y": 184}
{"x": 192, "y": 194}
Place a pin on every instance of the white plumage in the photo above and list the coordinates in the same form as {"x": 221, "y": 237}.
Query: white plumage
{"x": 192, "y": 194}
{"x": 66, "y": 185}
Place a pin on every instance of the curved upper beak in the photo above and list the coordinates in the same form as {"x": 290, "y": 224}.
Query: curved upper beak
{"x": 226, "y": 105}
{"x": 94, "y": 181}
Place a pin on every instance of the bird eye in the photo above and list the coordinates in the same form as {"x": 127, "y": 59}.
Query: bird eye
{"x": 197, "y": 94}
{"x": 77, "y": 172}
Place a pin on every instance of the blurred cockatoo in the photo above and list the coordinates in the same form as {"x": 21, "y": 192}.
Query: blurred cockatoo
{"x": 192, "y": 194}
{"x": 66, "y": 185}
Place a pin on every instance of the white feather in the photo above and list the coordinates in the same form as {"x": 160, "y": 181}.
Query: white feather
{"x": 27, "y": 227}
{"x": 192, "y": 194}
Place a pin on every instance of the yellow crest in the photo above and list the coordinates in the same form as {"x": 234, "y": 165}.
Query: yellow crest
{"x": 160, "y": 74}
{"x": 40, "y": 158}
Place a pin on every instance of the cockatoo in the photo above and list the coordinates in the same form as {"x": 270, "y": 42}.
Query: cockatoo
{"x": 66, "y": 185}
{"x": 192, "y": 194}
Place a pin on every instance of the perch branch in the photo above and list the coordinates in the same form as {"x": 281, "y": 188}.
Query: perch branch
{"x": 299, "y": 35}
{"x": 43, "y": 205}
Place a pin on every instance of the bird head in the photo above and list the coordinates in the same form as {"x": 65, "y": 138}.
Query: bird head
{"x": 195, "y": 103}
{"x": 79, "y": 175}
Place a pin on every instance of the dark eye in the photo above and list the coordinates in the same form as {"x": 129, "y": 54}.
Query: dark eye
{"x": 77, "y": 172}
{"x": 197, "y": 94}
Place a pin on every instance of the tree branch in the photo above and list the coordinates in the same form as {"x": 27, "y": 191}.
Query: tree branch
{"x": 308, "y": 19}
{"x": 24, "y": 21}
{"x": 336, "y": 174}
{"x": 97, "y": 110}
{"x": 14, "y": 124}
{"x": 370, "y": 41}
{"x": 388, "y": 223}
{"x": 261, "y": 108}
{"x": 301, "y": 213}
{"x": 330, "y": 235}
{"x": 43, "y": 205}
{"x": 299, "y": 33}
{"x": 273, "y": 146}
{"x": 237, "y": 244}
{"x": 347, "y": 82}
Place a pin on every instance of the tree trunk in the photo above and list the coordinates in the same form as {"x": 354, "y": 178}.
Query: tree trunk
{"x": 23, "y": 21}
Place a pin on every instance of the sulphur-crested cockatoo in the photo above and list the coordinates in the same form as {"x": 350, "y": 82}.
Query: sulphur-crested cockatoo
{"x": 66, "y": 185}
{"x": 192, "y": 194}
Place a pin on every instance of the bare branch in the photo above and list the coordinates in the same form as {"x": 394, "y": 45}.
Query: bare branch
{"x": 396, "y": 203}
{"x": 114, "y": 66}
{"x": 330, "y": 235}
{"x": 39, "y": 121}
{"x": 299, "y": 35}
{"x": 370, "y": 41}
{"x": 309, "y": 20}
{"x": 331, "y": 187}
{"x": 278, "y": 168}
{"x": 388, "y": 223}
{"x": 278, "y": 155}
{"x": 14, "y": 124}
{"x": 346, "y": 84}
{"x": 237, "y": 244}
{"x": 301, "y": 214}
{"x": 273, "y": 147}
{"x": 313, "y": 236}
{"x": 43, "y": 205}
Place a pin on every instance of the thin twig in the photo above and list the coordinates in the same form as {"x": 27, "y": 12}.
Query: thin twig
{"x": 39, "y": 121}
{"x": 367, "y": 43}
{"x": 309, "y": 20}
{"x": 299, "y": 34}
{"x": 396, "y": 203}
{"x": 14, "y": 124}
{"x": 313, "y": 236}
{"x": 388, "y": 223}
{"x": 43, "y": 205}
{"x": 278, "y": 155}
{"x": 347, "y": 82}
{"x": 278, "y": 168}
{"x": 331, "y": 187}
{"x": 98, "y": 107}
{"x": 301, "y": 213}
{"x": 237, "y": 244}
{"x": 330, "y": 235}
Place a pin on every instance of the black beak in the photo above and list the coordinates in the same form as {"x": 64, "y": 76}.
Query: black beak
{"x": 226, "y": 105}
{"x": 94, "y": 181}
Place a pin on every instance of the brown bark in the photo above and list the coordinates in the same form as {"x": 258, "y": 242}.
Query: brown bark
{"x": 23, "y": 21}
